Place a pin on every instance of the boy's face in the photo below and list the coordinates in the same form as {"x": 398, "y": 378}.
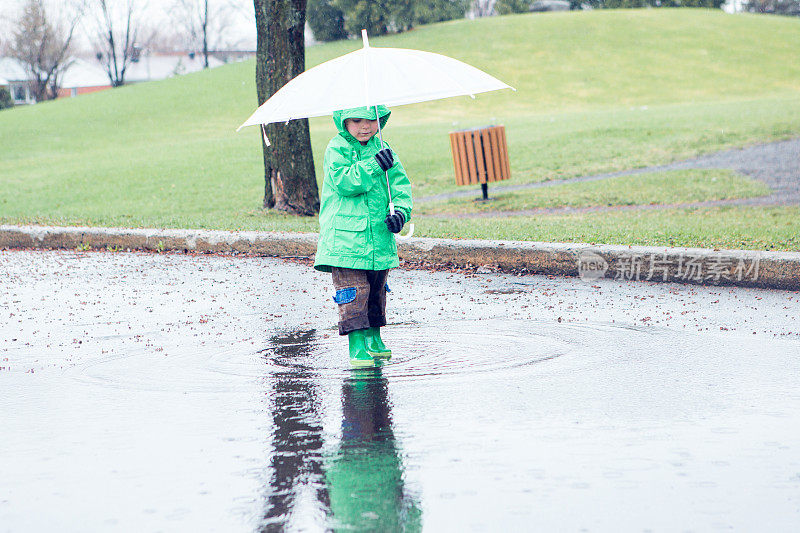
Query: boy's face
{"x": 361, "y": 128}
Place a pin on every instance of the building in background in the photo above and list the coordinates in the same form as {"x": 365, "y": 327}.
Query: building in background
{"x": 82, "y": 77}
{"x": 85, "y": 75}
{"x": 16, "y": 80}
{"x": 152, "y": 66}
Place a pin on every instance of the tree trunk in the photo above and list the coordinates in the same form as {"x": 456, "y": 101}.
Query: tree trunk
{"x": 289, "y": 181}
{"x": 205, "y": 34}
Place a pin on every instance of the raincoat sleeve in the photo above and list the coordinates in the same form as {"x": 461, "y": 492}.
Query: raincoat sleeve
{"x": 401, "y": 188}
{"x": 348, "y": 177}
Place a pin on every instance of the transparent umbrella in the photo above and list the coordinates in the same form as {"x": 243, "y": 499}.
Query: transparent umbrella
{"x": 369, "y": 77}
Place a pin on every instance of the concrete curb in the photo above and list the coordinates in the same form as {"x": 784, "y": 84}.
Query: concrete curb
{"x": 770, "y": 270}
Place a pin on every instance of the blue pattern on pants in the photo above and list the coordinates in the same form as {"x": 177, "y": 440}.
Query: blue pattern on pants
{"x": 345, "y": 296}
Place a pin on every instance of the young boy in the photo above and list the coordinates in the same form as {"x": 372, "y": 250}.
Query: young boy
{"x": 356, "y": 241}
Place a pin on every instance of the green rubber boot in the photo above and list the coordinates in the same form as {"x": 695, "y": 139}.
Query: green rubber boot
{"x": 359, "y": 357}
{"x": 375, "y": 345}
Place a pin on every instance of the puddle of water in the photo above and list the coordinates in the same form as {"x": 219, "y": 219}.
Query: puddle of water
{"x": 207, "y": 406}
{"x": 424, "y": 351}
{"x": 358, "y": 476}
{"x": 356, "y": 483}
{"x": 213, "y": 368}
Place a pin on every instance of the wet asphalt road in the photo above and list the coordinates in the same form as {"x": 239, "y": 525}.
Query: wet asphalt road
{"x": 176, "y": 393}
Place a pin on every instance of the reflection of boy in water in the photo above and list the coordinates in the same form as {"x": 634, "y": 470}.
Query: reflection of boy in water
{"x": 357, "y": 231}
{"x": 365, "y": 477}
{"x": 361, "y": 485}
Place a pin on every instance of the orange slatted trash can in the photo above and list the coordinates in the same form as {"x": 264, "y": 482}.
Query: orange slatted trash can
{"x": 480, "y": 155}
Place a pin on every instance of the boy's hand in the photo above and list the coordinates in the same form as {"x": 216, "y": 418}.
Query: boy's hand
{"x": 395, "y": 222}
{"x": 385, "y": 159}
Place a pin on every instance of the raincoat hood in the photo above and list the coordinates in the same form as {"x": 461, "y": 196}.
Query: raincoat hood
{"x": 359, "y": 112}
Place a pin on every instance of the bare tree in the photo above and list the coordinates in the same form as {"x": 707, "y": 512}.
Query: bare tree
{"x": 165, "y": 39}
{"x": 205, "y": 23}
{"x": 42, "y": 44}
{"x": 290, "y": 183}
{"x": 120, "y": 36}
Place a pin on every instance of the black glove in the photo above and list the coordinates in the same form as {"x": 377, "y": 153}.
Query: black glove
{"x": 395, "y": 222}
{"x": 385, "y": 159}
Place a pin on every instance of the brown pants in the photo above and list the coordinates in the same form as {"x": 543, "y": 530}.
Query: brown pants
{"x": 361, "y": 295}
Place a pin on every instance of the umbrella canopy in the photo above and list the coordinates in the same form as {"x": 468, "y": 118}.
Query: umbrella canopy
{"x": 372, "y": 76}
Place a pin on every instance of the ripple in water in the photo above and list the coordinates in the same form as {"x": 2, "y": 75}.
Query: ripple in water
{"x": 207, "y": 368}
{"x": 419, "y": 351}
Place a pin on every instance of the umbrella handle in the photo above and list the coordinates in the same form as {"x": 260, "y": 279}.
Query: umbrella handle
{"x": 410, "y": 226}
{"x": 410, "y": 232}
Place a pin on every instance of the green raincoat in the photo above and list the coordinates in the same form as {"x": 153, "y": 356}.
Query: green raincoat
{"x": 355, "y": 203}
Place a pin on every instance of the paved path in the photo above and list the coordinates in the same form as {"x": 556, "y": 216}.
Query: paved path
{"x": 775, "y": 164}
{"x": 147, "y": 392}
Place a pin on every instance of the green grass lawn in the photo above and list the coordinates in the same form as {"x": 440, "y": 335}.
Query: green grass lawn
{"x": 751, "y": 228}
{"x": 681, "y": 186}
{"x": 597, "y": 92}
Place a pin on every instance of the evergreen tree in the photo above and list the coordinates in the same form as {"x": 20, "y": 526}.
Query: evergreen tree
{"x": 326, "y": 20}
{"x": 440, "y": 10}
{"x": 380, "y": 17}
{"x": 5, "y": 99}
{"x": 372, "y": 15}
{"x": 506, "y": 7}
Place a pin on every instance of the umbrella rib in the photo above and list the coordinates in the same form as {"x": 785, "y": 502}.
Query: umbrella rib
{"x": 366, "y": 78}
